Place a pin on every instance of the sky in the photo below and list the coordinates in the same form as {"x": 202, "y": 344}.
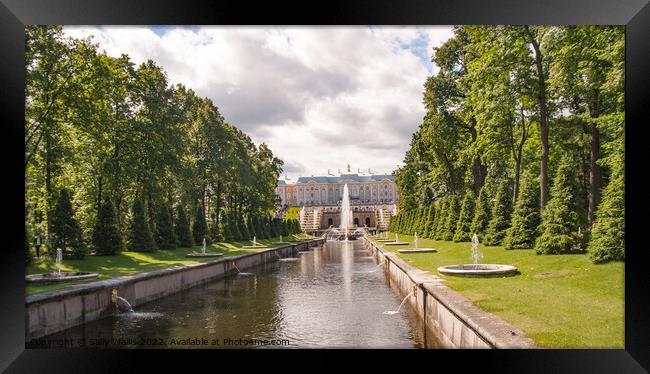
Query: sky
{"x": 320, "y": 97}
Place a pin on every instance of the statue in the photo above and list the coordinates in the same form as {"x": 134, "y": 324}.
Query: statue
{"x": 348, "y": 168}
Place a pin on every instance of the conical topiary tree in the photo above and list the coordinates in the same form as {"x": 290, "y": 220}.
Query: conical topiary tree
{"x": 482, "y": 215}
{"x": 440, "y": 220}
{"x": 428, "y": 222}
{"x": 182, "y": 229}
{"x": 500, "y": 215}
{"x": 560, "y": 218}
{"x": 608, "y": 236}
{"x": 463, "y": 226}
{"x": 200, "y": 227}
{"x": 525, "y": 218}
{"x": 107, "y": 239}
{"x": 140, "y": 238}
{"x": 451, "y": 219}
{"x": 65, "y": 228}
{"x": 243, "y": 229}
{"x": 165, "y": 235}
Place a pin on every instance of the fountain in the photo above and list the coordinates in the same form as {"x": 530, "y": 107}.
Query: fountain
{"x": 58, "y": 275}
{"x": 255, "y": 245}
{"x": 476, "y": 270}
{"x": 396, "y": 242}
{"x": 381, "y": 217}
{"x": 281, "y": 241}
{"x": 239, "y": 272}
{"x": 346, "y": 211}
{"x": 391, "y": 312}
{"x": 302, "y": 216}
{"x": 385, "y": 238}
{"x": 203, "y": 253}
{"x": 121, "y": 304}
{"x": 416, "y": 249}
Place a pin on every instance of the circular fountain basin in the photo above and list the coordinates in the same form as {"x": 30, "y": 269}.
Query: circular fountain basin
{"x": 479, "y": 270}
{"x": 281, "y": 243}
{"x": 396, "y": 243}
{"x": 206, "y": 254}
{"x": 64, "y": 276}
{"x": 417, "y": 250}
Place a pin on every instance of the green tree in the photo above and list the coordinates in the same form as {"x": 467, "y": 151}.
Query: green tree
{"x": 451, "y": 219}
{"x": 107, "y": 238}
{"x": 500, "y": 215}
{"x": 140, "y": 238}
{"x": 608, "y": 236}
{"x": 165, "y": 235}
{"x": 482, "y": 216}
{"x": 525, "y": 217}
{"x": 182, "y": 228}
{"x": 200, "y": 228}
{"x": 428, "y": 222}
{"x": 560, "y": 218}
{"x": 463, "y": 232}
{"x": 65, "y": 227}
{"x": 440, "y": 220}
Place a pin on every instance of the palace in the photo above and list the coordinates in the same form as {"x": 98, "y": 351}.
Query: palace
{"x": 372, "y": 197}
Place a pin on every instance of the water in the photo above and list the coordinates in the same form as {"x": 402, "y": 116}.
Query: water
{"x": 476, "y": 254}
{"x": 391, "y": 312}
{"x": 329, "y": 298}
{"x": 302, "y": 216}
{"x": 346, "y": 211}
{"x": 381, "y": 217}
{"x": 203, "y": 247}
{"x": 59, "y": 259}
{"x": 415, "y": 239}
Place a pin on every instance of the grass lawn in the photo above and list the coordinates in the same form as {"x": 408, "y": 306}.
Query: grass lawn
{"x": 127, "y": 263}
{"x": 559, "y": 301}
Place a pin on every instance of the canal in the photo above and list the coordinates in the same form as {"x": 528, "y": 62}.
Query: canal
{"x": 332, "y": 296}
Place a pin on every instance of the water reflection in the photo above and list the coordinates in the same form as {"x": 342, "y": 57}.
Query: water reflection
{"x": 334, "y": 296}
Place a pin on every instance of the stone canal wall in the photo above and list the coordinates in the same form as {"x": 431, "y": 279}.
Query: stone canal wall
{"x": 449, "y": 319}
{"x": 54, "y": 311}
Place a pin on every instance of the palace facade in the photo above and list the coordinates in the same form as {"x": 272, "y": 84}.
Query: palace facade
{"x": 373, "y": 199}
{"x": 328, "y": 190}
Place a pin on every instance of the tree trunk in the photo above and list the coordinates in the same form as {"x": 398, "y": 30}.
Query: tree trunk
{"x": 594, "y": 174}
{"x": 48, "y": 186}
{"x": 478, "y": 174}
{"x": 543, "y": 117}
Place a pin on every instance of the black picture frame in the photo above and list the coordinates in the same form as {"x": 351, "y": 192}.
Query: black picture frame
{"x": 15, "y": 14}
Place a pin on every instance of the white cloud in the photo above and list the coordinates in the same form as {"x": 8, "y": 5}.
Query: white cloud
{"x": 320, "y": 97}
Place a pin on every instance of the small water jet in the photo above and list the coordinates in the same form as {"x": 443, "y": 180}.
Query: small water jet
{"x": 396, "y": 242}
{"x": 239, "y": 272}
{"x": 391, "y": 312}
{"x": 281, "y": 241}
{"x": 58, "y": 275}
{"x": 476, "y": 270}
{"x": 417, "y": 249}
{"x": 255, "y": 245}
{"x": 203, "y": 252}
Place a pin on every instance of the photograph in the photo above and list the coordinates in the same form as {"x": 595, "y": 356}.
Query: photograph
{"x": 452, "y": 186}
